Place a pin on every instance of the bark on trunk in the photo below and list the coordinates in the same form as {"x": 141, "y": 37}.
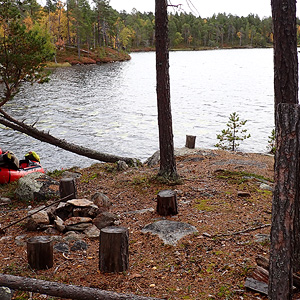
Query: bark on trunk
{"x": 63, "y": 290}
{"x": 40, "y": 252}
{"x": 285, "y": 196}
{"x": 67, "y": 188}
{"x": 14, "y": 124}
{"x": 285, "y": 52}
{"x": 166, "y": 145}
{"x": 167, "y": 203}
{"x": 113, "y": 250}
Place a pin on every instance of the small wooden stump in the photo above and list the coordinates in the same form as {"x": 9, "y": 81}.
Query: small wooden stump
{"x": 113, "y": 250}
{"x": 40, "y": 252}
{"x": 190, "y": 141}
{"x": 167, "y": 203}
{"x": 67, "y": 186}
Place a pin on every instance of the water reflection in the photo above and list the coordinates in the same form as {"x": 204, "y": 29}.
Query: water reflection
{"x": 112, "y": 107}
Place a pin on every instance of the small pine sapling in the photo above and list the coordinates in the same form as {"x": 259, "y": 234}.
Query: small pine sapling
{"x": 228, "y": 138}
{"x": 272, "y": 142}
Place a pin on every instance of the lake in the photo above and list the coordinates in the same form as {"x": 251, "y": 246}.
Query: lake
{"x": 112, "y": 108}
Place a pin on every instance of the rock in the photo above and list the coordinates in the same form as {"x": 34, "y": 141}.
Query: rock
{"x": 61, "y": 247}
{"x": 170, "y": 231}
{"x": 265, "y": 186}
{"x": 36, "y": 186}
{"x": 121, "y": 165}
{"x": 20, "y": 240}
{"x": 139, "y": 212}
{"x": 27, "y": 186}
{"x": 6, "y": 238}
{"x": 78, "y": 227}
{"x": 101, "y": 200}
{"x": 104, "y": 219}
{"x": 262, "y": 238}
{"x": 72, "y": 236}
{"x": 154, "y": 159}
{"x": 51, "y": 231}
{"x": 80, "y": 202}
{"x": 79, "y": 245}
{"x": 56, "y": 238}
{"x": 5, "y": 293}
{"x": 68, "y": 174}
{"x": 36, "y": 220}
{"x": 64, "y": 210}
{"x": 4, "y": 201}
{"x": 77, "y": 220}
{"x": 92, "y": 232}
{"x": 91, "y": 211}
{"x": 59, "y": 224}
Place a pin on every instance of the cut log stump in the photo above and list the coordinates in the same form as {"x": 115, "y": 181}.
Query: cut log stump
{"x": 67, "y": 188}
{"x": 167, "y": 203}
{"x": 40, "y": 252}
{"x": 190, "y": 141}
{"x": 113, "y": 250}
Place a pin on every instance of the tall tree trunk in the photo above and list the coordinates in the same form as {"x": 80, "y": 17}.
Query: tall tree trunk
{"x": 68, "y": 24}
{"x": 286, "y": 194}
{"x": 285, "y": 231}
{"x": 285, "y": 52}
{"x": 167, "y": 158}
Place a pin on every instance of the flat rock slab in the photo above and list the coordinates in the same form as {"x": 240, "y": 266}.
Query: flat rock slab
{"x": 170, "y": 231}
{"x": 80, "y": 202}
{"x": 77, "y": 220}
{"x": 241, "y": 163}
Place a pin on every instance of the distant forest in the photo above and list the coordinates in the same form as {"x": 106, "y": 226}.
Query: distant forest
{"x": 77, "y": 23}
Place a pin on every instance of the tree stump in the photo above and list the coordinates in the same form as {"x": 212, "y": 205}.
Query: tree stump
{"x": 190, "y": 141}
{"x": 113, "y": 250}
{"x": 40, "y": 252}
{"x": 67, "y": 188}
{"x": 167, "y": 203}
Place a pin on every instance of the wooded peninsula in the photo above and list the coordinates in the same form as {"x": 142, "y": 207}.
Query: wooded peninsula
{"x": 76, "y": 24}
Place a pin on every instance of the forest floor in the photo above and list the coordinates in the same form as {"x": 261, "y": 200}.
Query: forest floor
{"x": 210, "y": 264}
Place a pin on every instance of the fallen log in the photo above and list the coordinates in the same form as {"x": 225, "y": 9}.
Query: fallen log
{"x": 63, "y": 290}
{"x": 260, "y": 274}
{"x": 264, "y": 263}
{"x": 256, "y": 286}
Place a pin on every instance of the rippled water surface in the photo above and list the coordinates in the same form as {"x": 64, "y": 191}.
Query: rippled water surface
{"x": 112, "y": 108}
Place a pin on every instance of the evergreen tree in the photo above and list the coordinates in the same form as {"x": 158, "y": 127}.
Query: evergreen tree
{"x": 22, "y": 51}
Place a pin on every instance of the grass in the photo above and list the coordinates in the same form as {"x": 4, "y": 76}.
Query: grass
{"x": 202, "y": 205}
{"x": 236, "y": 177}
{"x": 58, "y": 65}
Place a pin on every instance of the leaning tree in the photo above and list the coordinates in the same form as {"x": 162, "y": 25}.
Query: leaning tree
{"x": 23, "y": 54}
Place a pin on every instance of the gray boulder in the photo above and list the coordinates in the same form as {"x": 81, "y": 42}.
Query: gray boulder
{"x": 5, "y": 293}
{"x": 170, "y": 231}
{"x": 37, "y": 186}
{"x": 102, "y": 201}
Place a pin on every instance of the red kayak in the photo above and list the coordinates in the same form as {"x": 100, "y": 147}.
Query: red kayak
{"x": 8, "y": 175}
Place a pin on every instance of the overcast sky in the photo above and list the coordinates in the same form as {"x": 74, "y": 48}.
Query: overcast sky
{"x": 206, "y": 8}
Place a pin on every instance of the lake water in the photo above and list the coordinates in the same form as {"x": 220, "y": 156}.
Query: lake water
{"x": 112, "y": 107}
